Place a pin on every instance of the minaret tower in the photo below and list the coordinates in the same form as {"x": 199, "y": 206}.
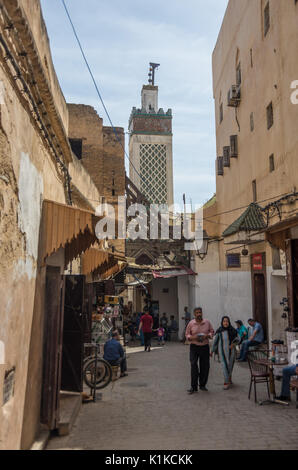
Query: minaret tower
{"x": 150, "y": 146}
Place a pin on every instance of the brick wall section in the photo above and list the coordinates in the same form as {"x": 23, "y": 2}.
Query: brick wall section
{"x": 85, "y": 124}
{"x": 151, "y": 124}
{"x": 102, "y": 155}
{"x": 114, "y": 168}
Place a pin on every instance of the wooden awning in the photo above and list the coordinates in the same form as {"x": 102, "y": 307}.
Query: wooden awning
{"x": 67, "y": 227}
{"x": 92, "y": 259}
{"x": 278, "y": 234}
{"x": 102, "y": 263}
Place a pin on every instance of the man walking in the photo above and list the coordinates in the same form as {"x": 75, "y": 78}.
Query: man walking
{"x": 255, "y": 339}
{"x": 146, "y": 326}
{"x": 198, "y": 332}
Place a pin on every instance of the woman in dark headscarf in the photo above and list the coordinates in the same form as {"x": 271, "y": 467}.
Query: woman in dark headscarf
{"x": 226, "y": 338}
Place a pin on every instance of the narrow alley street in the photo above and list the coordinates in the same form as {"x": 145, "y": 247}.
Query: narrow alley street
{"x": 151, "y": 410}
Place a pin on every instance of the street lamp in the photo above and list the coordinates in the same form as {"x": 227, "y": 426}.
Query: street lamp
{"x": 202, "y": 252}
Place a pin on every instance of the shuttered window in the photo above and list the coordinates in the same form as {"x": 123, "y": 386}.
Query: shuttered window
{"x": 220, "y": 167}
{"x": 226, "y": 156}
{"x": 234, "y": 146}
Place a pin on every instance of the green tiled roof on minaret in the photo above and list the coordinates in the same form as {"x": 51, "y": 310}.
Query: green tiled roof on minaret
{"x": 251, "y": 220}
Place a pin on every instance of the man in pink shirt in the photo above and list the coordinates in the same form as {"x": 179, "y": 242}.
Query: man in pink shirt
{"x": 198, "y": 332}
{"x": 146, "y": 324}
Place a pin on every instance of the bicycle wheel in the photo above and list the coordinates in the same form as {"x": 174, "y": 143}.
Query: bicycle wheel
{"x": 102, "y": 375}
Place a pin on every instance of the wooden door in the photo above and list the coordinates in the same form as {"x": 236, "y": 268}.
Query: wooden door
{"x": 73, "y": 334}
{"x": 54, "y": 302}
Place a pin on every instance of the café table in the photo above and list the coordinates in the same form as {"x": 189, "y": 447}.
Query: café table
{"x": 270, "y": 364}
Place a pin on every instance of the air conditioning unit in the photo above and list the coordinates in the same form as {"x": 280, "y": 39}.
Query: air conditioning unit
{"x": 234, "y": 96}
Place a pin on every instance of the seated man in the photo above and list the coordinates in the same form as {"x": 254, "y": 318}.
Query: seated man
{"x": 287, "y": 373}
{"x": 114, "y": 353}
{"x": 255, "y": 339}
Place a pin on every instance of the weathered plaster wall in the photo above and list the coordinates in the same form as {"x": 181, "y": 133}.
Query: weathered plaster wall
{"x": 32, "y": 10}
{"x": 27, "y": 175}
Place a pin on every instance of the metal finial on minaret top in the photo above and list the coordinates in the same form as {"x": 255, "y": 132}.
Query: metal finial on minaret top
{"x": 151, "y": 73}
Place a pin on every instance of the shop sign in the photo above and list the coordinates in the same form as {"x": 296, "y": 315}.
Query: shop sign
{"x": 257, "y": 262}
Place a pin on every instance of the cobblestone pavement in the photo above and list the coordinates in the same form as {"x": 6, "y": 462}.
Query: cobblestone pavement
{"x": 151, "y": 410}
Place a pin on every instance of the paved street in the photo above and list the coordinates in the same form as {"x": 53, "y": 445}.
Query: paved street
{"x": 151, "y": 410}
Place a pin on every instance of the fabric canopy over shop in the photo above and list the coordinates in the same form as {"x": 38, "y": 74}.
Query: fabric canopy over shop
{"x": 67, "y": 227}
{"x": 109, "y": 268}
{"x": 101, "y": 262}
{"x": 173, "y": 272}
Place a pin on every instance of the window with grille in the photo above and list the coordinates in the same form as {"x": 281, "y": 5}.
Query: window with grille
{"x": 266, "y": 19}
{"x": 233, "y": 260}
{"x": 270, "y": 116}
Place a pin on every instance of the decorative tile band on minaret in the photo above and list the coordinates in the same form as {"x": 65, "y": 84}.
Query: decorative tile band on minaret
{"x": 150, "y": 146}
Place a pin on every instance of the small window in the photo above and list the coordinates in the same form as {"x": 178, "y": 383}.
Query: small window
{"x": 266, "y": 19}
{"x": 233, "y": 260}
{"x": 77, "y": 147}
{"x": 252, "y": 123}
{"x": 251, "y": 59}
{"x": 238, "y": 75}
{"x": 234, "y": 146}
{"x": 220, "y": 166}
{"x": 254, "y": 191}
{"x": 226, "y": 156}
{"x": 270, "y": 116}
{"x": 271, "y": 163}
{"x": 113, "y": 192}
{"x": 221, "y": 113}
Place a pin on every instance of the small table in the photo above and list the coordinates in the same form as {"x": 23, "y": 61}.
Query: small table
{"x": 270, "y": 365}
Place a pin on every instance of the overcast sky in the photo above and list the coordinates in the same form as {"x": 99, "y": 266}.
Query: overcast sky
{"x": 120, "y": 38}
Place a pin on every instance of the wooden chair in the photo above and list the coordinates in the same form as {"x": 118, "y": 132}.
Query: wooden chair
{"x": 258, "y": 373}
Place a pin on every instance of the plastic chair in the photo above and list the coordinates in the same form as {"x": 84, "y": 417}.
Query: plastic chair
{"x": 259, "y": 373}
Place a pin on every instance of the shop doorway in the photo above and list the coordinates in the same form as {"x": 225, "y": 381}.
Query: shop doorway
{"x": 68, "y": 306}
{"x": 73, "y": 334}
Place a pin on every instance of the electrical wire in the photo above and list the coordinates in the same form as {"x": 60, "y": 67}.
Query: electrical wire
{"x": 99, "y": 94}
